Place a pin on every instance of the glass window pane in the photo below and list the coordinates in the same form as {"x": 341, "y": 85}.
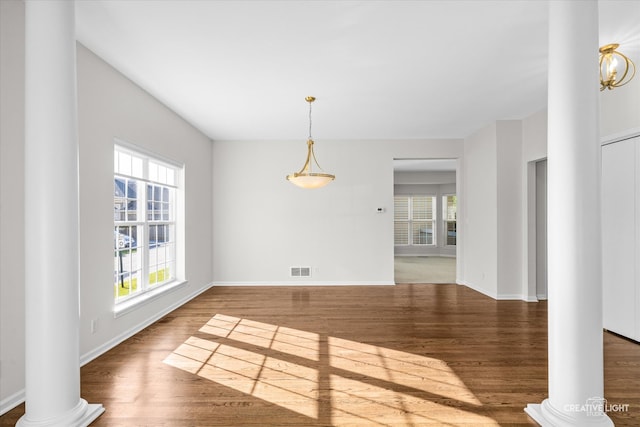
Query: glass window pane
{"x": 422, "y": 208}
{"x": 118, "y": 213}
{"x": 451, "y": 233}
{"x": 422, "y": 232}
{"x": 132, "y": 187}
{"x": 118, "y": 187}
{"x": 153, "y": 234}
{"x": 165, "y": 211}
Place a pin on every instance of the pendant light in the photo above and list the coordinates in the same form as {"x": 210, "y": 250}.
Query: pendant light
{"x": 307, "y": 178}
{"x": 616, "y": 69}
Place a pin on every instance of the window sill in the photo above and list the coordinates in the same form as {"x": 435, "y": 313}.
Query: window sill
{"x": 134, "y": 303}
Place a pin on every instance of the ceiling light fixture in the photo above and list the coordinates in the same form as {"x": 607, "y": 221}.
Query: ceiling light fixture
{"x": 609, "y": 69}
{"x": 306, "y": 178}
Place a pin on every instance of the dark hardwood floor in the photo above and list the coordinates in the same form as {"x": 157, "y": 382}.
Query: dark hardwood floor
{"x": 405, "y": 355}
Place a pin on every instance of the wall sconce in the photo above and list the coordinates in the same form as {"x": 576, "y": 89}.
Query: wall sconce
{"x": 306, "y": 178}
{"x": 616, "y": 69}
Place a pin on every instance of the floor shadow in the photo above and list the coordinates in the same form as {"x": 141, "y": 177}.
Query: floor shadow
{"x": 407, "y": 355}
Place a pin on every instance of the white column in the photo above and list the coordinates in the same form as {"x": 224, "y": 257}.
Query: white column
{"x": 51, "y": 220}
{"x": 576, "y": 374}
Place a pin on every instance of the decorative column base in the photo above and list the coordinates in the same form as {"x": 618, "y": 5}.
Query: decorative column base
{"x": 80, "y": 416}
{"x": 547, "y": 416}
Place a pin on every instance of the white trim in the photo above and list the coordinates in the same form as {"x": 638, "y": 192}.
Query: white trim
{"x": 498, "y": 297}
{"x": 133, "y": 303}
{"x": 10, "y": 402}
{"x": 90, "y": 355}
{"x": 18, "y": 397}
{"x": 482, "y": 291}
{"x": 426, "y": 255}
{"x": 345, "y": 283}
{"x": 620, "y": 136}
{"x": 132, "y": 148}
{"x": 511, "y": 297}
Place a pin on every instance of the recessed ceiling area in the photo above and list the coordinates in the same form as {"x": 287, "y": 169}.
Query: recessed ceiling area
{"x": 240, "y": 70}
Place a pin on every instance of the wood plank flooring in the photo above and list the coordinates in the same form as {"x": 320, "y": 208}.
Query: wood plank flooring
{"x": 405, "y": 355}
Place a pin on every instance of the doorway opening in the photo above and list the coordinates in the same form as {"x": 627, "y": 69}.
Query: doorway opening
{"x": 425, "y": 220}
{"x": 537, "y": 230}
{"x": 541, "y": 229}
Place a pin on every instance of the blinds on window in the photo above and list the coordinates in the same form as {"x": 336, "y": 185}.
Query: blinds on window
{"x": 401, "y": 208}
{"x": 414, "y": 220}
{"x": 422, "y": 208}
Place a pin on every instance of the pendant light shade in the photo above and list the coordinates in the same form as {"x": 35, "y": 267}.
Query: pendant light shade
{"x": 306, "y": 177}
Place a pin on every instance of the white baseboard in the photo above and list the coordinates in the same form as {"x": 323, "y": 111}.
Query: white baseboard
{"x": 10, "y": 402}
{"x": 511, "y": 297}
{"x": 480, "y": 290}
{"x": 90, "y": 355}
{"x": 300, "y": 283}
{"x": 499, "y": 297}
{"x": 18, "y": 397}
{"x": 425, "y": 255}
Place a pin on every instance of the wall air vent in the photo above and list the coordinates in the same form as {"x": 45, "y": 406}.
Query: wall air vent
{"x": 300, "y": 272}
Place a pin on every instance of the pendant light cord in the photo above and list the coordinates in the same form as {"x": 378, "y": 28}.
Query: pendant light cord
{"x": 310, "y": 120}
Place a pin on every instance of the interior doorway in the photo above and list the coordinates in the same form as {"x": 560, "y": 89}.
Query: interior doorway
{"x": 541, "y": 229}
{"x": 425, "y": 220}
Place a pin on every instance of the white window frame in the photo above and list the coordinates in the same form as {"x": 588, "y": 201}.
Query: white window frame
{"x": 411, "y": 220}
{"x": 172, "y": 181}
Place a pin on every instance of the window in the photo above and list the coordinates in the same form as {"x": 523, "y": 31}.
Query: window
{"x": 414, "y": 220}
{"x": 144, "y": 235}
{"x": 449, "y": 206}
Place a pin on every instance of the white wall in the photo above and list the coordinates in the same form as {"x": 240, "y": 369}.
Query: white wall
{"x": 109, "y": 106}
{"x": 620, "y": 108}
{"x": 264, "y": 225}
{"x": 509, "y": 226}
{"x": 481, "y": 211}
{"x": 492, "y": 215}
{"x": 424, "y": 177}
{"x": 11, "y": 203}
{"x": 534, "y": 136}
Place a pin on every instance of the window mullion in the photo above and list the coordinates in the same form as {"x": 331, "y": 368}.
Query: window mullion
{"x": 145, "y": 226}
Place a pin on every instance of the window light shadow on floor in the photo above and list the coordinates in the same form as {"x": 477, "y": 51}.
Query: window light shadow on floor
{"x": 327, "y": 378}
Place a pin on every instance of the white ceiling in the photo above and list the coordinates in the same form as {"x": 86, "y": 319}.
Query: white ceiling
{"x": 240, "y": 70}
